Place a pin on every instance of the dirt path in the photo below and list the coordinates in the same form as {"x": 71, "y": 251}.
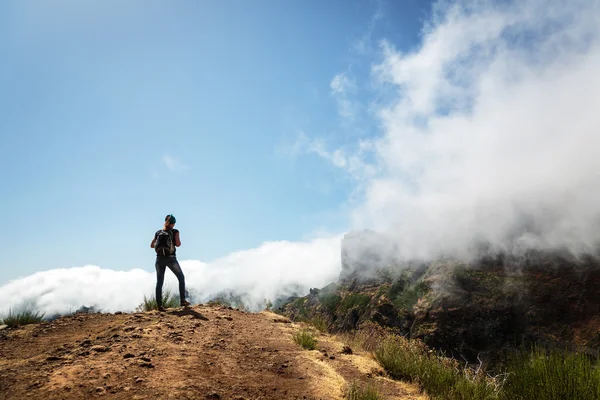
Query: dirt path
{"x": 203, "y": 352}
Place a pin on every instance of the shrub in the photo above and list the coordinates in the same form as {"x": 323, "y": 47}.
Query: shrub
{"x": 22, "y": 318}
{"x": 305, "y": 339}
{"x": 354, "y": 300}
{"x": 169, "y": 300}
{"x": 551, "y": 374}
{"x": 440, "y": 377}
{"x": 330, "y": 301}
{"x": 319, "y": 322}
{"x": 355, "y": 392}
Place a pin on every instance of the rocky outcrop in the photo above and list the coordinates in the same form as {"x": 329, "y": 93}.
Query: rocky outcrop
{"x": 478, "y": 309}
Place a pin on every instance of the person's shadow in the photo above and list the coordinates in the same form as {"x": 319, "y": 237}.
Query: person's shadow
{"x": 188, "y": 311}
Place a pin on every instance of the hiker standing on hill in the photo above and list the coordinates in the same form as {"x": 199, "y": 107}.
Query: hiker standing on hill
{"x": 164, "y": 243}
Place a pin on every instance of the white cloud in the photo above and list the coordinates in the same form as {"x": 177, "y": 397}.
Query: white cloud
{"x": 342, "y": 88}
{"x": 493, "y": 131}
{"x": 263, "y": 272}
{"x": 173, "y": 164}
{"x": 351, "y": 161}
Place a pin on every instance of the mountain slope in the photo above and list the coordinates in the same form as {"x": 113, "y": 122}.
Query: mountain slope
{"x": 205, "y": 351}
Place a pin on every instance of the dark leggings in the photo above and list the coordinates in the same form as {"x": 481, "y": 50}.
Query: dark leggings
{"x": 161, "y": 265}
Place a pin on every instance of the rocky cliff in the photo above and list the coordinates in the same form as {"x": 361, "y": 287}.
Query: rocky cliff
{"x": 475, "y": 309}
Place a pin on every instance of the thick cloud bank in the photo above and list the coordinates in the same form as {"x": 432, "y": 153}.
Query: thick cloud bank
{"x": 491, "y": 131}
{"x": 266, "y": 272}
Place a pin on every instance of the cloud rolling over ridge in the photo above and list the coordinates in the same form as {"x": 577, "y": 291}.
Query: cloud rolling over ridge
{"x": 265, "y": 272}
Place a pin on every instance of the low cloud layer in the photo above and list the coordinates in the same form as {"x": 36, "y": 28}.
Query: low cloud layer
{"x": 266, "y": 272}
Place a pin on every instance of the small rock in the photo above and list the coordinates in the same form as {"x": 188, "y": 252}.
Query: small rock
{"x": 346, "y": 350}
{"x": 86, "y": 342}
{"x": 99, "y": 348}
{"x": 106, "y": 376}
{"x": 139, "y": 380}
{"x": 213, "y": 395}
{"x": 129, "y": 328}
{"x": 146, "y": 365}
{"x": 53, "y": 358}
{"x": 118, "y": 313}
{"x": 100, "y": 390}
{"x": 145, "y": 359}
{"x": 128, "y": 355}
{"x": 3, "y": 327}
{"x": 332, "y": 357}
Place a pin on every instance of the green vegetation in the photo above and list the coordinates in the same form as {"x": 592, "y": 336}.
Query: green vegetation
{"x": 330, "y": 301}
{"x": 319, "y": 322}
{"x": 552, "y": 374}
{"x": 440, "y": 377}
{"x": 535, "y": 375}
{"x": 369, "y": 392}
{"x": 23, "y": 317}
{"x": 354, "y": 300}
{"x": 406, "y": 299}
{"x": 305, "y": 339}
{"x": 169, "y": 300}
{"x": 300, "y": 305}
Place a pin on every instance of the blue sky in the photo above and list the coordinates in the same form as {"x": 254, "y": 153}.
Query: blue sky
{"x": 114, "y": 114}
{"x": 271, "y": 128}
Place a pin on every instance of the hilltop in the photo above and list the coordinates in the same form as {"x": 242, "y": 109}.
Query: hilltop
{"x": 201, "y": 352}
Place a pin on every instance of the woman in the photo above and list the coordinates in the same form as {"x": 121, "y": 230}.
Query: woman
{"x": 165, "y": 244}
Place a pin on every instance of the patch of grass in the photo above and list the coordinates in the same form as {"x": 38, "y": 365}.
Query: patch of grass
{"x": 22, "y": 318}
{"x": 409, "y": 297}
{"x": 169, "y": 300}
{"x": 305, "y": 339}
{"x": 319, "y": 322}
{"x": 330, "y": 301}
{"x": 368, "y": 392}
{"x": 354, "y": 300}
{"x": 300, "y": 305}
{"x": 440, "y": 377}
{"x": 551, "y": 374}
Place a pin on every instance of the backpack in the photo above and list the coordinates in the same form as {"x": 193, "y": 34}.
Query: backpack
{"x": 164, "y": 243}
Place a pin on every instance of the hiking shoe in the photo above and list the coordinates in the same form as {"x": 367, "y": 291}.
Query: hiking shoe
{"x": 184, "y": 303}
{"x": 161, "y": 308}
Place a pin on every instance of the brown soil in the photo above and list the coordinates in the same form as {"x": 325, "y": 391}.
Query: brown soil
{"x": 202, "y": 352}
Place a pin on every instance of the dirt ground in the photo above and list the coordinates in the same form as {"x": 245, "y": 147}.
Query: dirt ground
{"x": 201, "y": 352}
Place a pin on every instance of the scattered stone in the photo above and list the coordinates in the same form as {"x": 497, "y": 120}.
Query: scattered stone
{"x": 146, "y": 365}
{"x": 100, "y": 349}
{"x": 106, "y": 376}
{"x": 128, "y": 355}
{"x": 139, "y": 380}
{"x": 100, "y": 390}
{"x": 129, "y": 329}
{"x": 332, "y": 357}
{"x": 145, "y": 359}
{"x": 213, "y": 395}
{"x": 346, "y": 350}
{"x": 54, "y": 358}
{"x": 86, "y": 342}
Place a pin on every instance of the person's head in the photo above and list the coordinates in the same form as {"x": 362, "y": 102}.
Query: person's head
{"x": 170, "y": 221}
